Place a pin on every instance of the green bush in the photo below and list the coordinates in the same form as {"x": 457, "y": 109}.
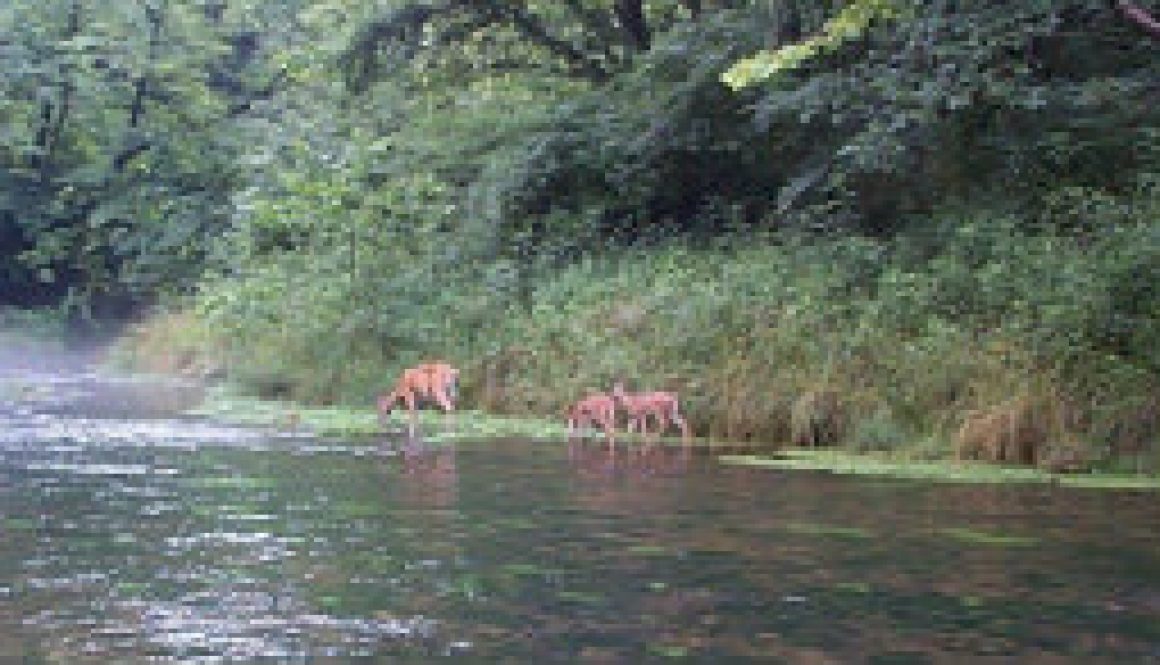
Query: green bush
{"x": 909, "y": 334}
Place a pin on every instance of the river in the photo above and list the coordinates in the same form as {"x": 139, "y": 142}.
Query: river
{"x": 129, "y": 533}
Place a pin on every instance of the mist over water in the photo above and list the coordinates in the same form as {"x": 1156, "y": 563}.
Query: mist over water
{"x": 129, "y": 532}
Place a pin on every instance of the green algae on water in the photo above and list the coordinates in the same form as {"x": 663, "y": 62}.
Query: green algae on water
{"x": 814, "y": 529}
{"x": 975, "y": 537}
{"x": 841, "y": 462}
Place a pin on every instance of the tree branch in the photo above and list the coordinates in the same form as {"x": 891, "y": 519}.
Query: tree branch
{"x": 630, "y": 13}
{"x": 134, "y": 148}
{"x": 265, "y": 92}
{"x": 49, "y": 138}
{"x": 403, "y": 29}
{"x": 1139, "y": 16}
{"x": 141, "y": 85}
{"x": 534, "y": 30}
{"x": 597, "y": 22}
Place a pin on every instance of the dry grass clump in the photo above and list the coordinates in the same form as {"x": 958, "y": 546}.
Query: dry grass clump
{"x": 779, "y": 344}
{"x": 818, "y": 418}
{"x": 1131, "y": 428}
{"x": 1036, "y": 427}
{"x": 764, "y": 417}
{"x": 176, "y": 343}
{"x": 1003, "y": 433}
{"x": 743, "y": 399}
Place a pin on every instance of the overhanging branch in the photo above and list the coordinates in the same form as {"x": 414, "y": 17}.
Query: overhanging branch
{"x": 401, "y": 34}
{"x": 1139, "y": 16}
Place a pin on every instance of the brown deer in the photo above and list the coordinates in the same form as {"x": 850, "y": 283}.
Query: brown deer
{"x": 664, "y": 406}
{"x": 596, "y": 409}
{"x": 436, "y": 381}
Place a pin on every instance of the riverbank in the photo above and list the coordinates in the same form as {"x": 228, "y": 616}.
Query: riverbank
{"x": 228, "y": 405}
{"x": 285, "y": 547}
{"x": 853, "y": 343}
{"x": 951, "y": 471}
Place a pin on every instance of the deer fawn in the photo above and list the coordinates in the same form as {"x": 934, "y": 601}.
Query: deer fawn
{"x": 596, "y": 409}
{"x": 664, "y": 406}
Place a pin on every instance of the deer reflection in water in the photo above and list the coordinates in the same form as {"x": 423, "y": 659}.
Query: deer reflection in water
{"x": 627, "y": 481}
{"x": 429, "y": 474}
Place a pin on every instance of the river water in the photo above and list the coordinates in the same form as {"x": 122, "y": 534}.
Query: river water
{"x": 130, "y": 534}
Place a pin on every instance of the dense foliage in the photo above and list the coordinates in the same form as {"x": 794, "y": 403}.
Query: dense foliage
{"x": 344, "y": 187}
{"x": 120, "y": 144}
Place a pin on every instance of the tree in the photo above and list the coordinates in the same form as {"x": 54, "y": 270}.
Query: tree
{"x": 579, "y": 38}
{"x": 901, "y": 95}
{"x": 115, "y": 171}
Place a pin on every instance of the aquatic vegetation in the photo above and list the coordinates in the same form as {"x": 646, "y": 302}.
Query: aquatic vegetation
{"x": 232, "y": 482}
{"x": 529, "y": 570}
{"x": 358, "y": 509}
{"x": 227, "y": 404}
{"x": 841, "y": 462}
{"x": 20, "y": 524}
{"x": 525, "y": 569}
{"x": 516, "y": 522}
{"x": 581, "y": 597}
{"x": 650, "y": 550}
{"x": 1111, "y": 481}
{"x": 854, "y": 587}
{"x": 976, "y": 537}
{"x": 668, "y": 650}
{"x": 514, "y": 557}
{"x": 826, "y": 530}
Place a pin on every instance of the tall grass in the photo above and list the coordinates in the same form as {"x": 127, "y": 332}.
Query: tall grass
{"x": 899, "y": 340}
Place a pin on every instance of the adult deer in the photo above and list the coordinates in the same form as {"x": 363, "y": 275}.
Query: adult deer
{"x": 436, "y": 381}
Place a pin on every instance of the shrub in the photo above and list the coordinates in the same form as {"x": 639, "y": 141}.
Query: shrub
{"x": 777, "y": 339}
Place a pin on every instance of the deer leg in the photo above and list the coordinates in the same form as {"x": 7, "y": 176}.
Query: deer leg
{"x": 386, "y": 404}
{"x": 660, "y": 418}
{"x": 579, "y": 426}
{"x": 412, "y": 412}
{"x": 444, "y": 401}
{"x": 681, "y": 423}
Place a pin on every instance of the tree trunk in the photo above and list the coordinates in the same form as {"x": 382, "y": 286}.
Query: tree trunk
{"x": 141, "y": 85}
{"x": 630, "y": 13}
{"x": 55, "y": 118}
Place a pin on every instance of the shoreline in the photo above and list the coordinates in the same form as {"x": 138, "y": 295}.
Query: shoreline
{"x": 227, "y": 404}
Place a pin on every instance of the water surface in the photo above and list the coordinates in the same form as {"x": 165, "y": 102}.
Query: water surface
{"x": 130, "y": 535}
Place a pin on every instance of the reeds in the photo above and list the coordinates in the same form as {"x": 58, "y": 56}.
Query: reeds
{"x": 847, "y": 342}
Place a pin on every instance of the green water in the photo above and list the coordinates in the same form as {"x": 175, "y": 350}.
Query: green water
{"x": 125, "y": 540}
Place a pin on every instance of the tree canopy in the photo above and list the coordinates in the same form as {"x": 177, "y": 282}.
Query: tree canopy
{"x": 147, "y": 142}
